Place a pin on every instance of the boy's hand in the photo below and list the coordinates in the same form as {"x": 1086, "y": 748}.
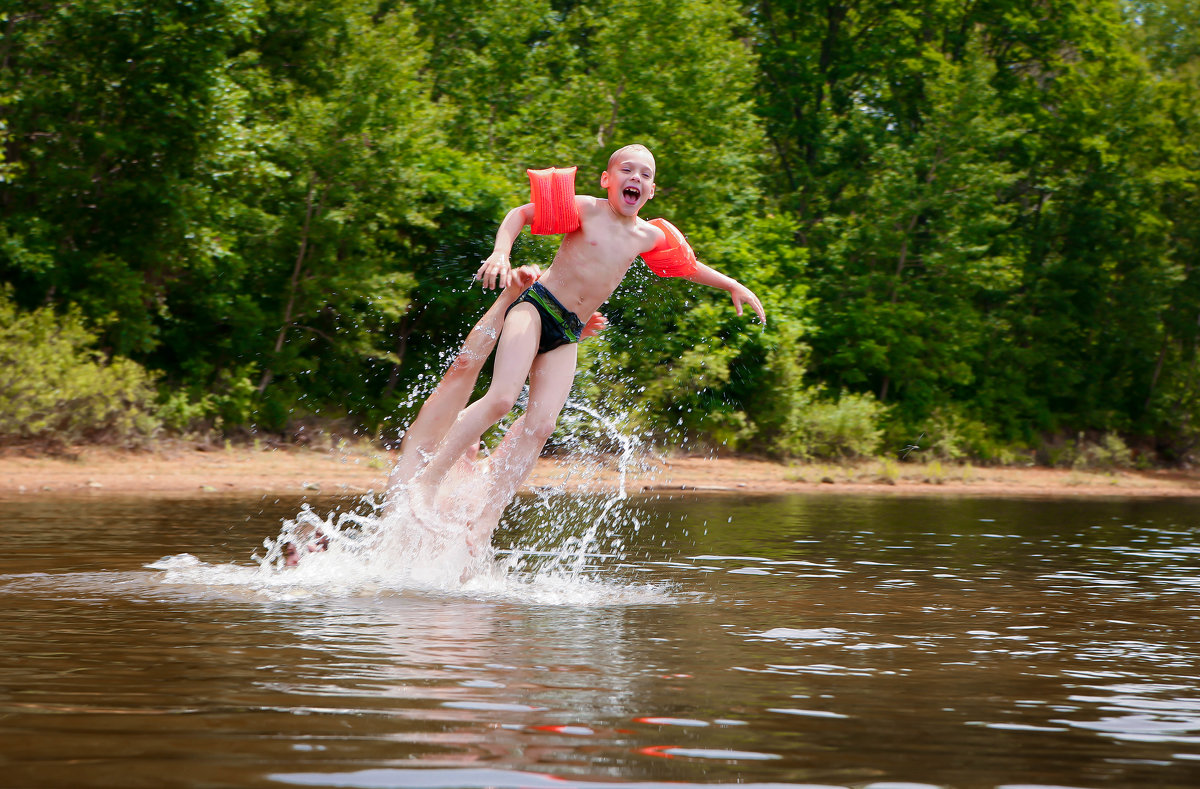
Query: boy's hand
{"x": 496, "y": 271}
{"x": 743, "y": 295}
{"x": 595, "y": 324}
{"x": 521, "y": 279}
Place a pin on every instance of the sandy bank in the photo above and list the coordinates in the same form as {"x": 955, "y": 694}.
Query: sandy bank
{"x": 196, "y": 470}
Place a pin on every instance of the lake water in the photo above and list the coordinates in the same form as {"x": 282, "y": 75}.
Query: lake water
{"x": 891, "y": 643}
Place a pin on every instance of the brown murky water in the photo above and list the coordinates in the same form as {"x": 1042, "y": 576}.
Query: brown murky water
{"x": 848, "y": 642}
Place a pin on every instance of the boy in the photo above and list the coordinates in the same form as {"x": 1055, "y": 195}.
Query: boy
{"x": 450, "y": 396}
{"x": 438, "y": 413}
{"x": 443, "y": 405}
{"x": 603, "y": 237}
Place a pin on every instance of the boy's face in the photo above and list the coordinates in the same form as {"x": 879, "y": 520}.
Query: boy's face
{"x": 629, "y": 180}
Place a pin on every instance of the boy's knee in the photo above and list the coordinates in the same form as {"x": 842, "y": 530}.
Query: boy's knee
{"x": 541, "y": 427}
{"x": 498, "y": 404}
{"x": 464, "y": 364}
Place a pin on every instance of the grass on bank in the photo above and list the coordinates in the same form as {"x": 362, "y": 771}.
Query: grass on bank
{"x": 888, "y": 471}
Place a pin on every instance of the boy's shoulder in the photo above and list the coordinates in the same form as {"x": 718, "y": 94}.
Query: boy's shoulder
{"x": 589, "y": 203}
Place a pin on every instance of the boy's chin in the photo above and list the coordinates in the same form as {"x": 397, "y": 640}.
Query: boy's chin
{"x": 626, "y": 209}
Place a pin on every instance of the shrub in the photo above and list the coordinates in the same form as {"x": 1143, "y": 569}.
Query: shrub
{"x": 845, "y": 429}
{"x": 55, "y": 386}
{"x": 188, "y": 411}
{"x": 1109, "y": 451}
{"x": 951, "y": 436}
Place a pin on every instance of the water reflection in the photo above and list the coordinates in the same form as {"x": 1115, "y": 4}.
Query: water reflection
{"x": 822, "y": 641}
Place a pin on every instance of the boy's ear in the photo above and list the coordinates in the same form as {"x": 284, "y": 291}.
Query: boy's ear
{"x": 653, "y": 187}
{"x": 604, "y": 180}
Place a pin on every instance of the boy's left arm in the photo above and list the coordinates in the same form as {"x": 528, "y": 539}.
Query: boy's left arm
{"x": 737, "y": 291}
{"x": 673, "y": 256}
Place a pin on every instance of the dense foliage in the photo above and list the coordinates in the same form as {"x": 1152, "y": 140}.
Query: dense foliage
{"x": 55, "y": 388}
{"x": 977, "y": 221}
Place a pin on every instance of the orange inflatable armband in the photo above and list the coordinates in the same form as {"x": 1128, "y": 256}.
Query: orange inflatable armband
{"x": 673, "y": 257}
{"x": 552, "y": 192}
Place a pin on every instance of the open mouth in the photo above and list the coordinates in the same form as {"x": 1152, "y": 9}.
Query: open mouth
{"x": 631, "y": 194}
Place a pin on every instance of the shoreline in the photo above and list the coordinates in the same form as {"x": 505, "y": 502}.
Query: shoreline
{"x": 197, "y": 470}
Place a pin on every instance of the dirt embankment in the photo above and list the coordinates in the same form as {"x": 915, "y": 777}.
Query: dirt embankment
{"x": 184, "y": 469}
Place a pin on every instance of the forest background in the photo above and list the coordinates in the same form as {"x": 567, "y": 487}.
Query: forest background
{"x": 975, "y": 225}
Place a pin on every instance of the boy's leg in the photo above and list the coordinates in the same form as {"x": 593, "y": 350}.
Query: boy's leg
{"x": 550, "y": 382}
{"x": 515, "y": 354}
{"x": 442, "y": 407}
{"x": 438, "y": 412}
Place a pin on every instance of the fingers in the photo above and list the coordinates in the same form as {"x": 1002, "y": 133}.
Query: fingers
{"x": 494, "y": 271}
{"x": 759, "y": 311}
{"x": 527, "y": 275}
{"x": 481, "y": 274}
{"x": 757, "y": 306}
{"x": 747, "y": 297}
{"x": 595, "y": 324}
{"x": 520, "y": 280}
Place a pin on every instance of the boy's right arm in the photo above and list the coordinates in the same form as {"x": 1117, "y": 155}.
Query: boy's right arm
{"x": 496, "y": 271}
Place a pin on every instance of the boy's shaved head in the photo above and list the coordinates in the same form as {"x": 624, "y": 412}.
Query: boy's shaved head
{"x": 629, "y": 149}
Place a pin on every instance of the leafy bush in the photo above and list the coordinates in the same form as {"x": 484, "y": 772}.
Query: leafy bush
{"x": 55, "y": 386}
{"x": 1109, "y": 451}
{"x": 182, "y": 413}
{"x": 948, "y": 435}
{"x": 954, "y": 437}
{"x": 845, "y": 429}
{"x": 192, "y": 411}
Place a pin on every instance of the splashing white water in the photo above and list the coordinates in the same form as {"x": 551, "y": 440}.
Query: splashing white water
{"x": 568, "y": 550}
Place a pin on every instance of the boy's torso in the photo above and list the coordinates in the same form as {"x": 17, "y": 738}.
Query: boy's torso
{"x": 592, "y": 260}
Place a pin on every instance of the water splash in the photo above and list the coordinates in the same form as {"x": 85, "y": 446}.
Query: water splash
{"x": 582, "y": 525}
{"x": 565, "y": 543}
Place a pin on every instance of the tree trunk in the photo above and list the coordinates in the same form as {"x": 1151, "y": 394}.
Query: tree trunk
{"x": 297, "y": 269}
{"x": 401, "y": 348}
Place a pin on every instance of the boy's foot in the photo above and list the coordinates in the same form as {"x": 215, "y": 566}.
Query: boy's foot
{"x": 291, "y": 554}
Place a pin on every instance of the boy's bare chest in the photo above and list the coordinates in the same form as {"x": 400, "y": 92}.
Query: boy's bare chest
{"x": 599, "y": 255}
{"x": 610, "y": 243}
{"x": 591, "y": 263}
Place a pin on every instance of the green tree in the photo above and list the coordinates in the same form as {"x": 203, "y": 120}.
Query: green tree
{"x": 104, "y": 105}
{"x": 325, "y": 187}
{"x": 910, "y": 273}
{"x": 1047, "y": 273}
{"x": 1166, "y": 34}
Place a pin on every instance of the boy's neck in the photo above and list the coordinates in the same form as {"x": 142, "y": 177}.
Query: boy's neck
{"x": 621, "y": 217}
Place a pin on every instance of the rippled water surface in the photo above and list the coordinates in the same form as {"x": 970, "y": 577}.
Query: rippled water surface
{"x": 852, "y": 642}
